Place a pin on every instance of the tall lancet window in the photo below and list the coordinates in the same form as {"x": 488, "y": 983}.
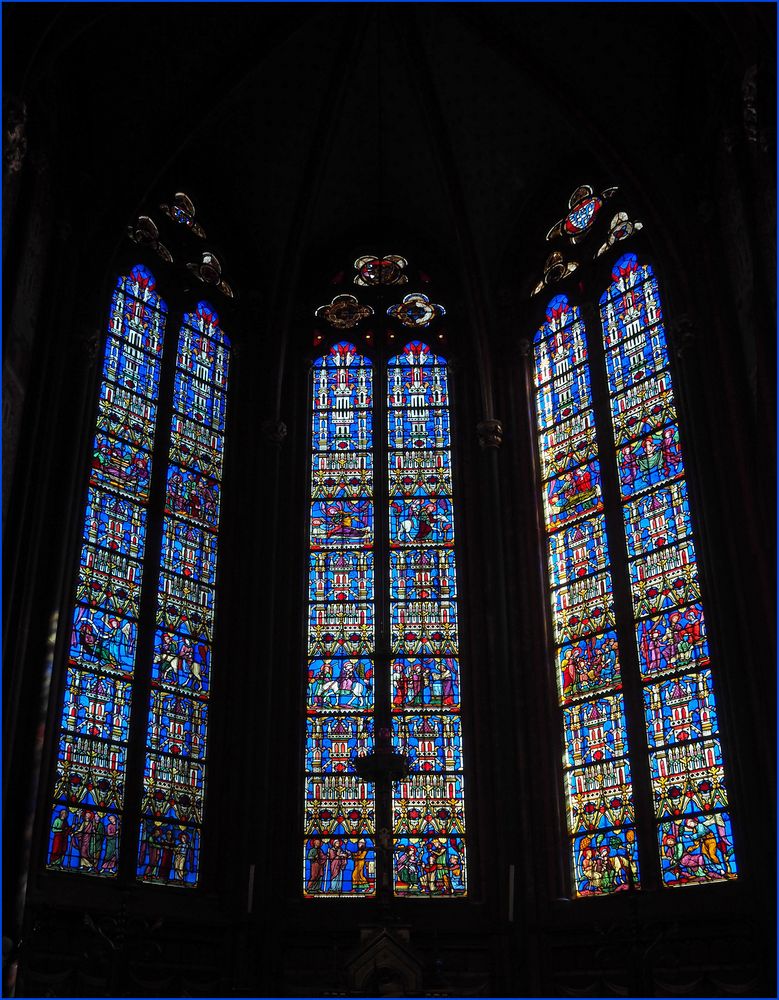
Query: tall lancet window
{"x": 598, "y": 787}
{"x": 384, "y": 799}
{"x": 130, "y": 782}
{"x": 428, "y": 804}
{"x": 339, "y": 803}
{"x": 176, "y": 749}
{"x": 89, "y": 802}
{"x": 632, "y": 654}
{"x": 682, "y": 732}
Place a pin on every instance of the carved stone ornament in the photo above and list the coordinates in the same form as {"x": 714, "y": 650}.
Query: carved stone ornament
{"x": 681, "y": 334}
{"x": 490, "y": 433}
{"x": 274, "y": 431}
{"x": 15, "y": 137}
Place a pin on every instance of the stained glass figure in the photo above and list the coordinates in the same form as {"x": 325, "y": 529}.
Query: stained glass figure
{"x": 416, "y": 310}
{"x": 339, "y": 853}
{"x": 428, "y": 805}
{"x": 174, "y": 780}
{"x": 695, "y": 839}
{"x": 88, "y": 800}
{"x": 598, "y": 783}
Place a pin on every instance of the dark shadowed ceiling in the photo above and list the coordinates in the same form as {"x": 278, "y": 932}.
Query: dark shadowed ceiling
{"x": 444, "y": 121}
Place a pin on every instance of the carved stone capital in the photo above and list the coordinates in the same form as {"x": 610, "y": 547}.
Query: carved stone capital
{"x": 681, "y": 334}
{"x": 490, "y": 433}
{"x": 91, "y": 342}
{"x": 15, "y": 136}
{"x": 274, "y": 431}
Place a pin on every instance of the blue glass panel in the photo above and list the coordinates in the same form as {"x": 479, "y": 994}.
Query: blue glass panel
{"x": 428, "y": 804}
{"x": 192, "y": 496}
{"x": 90, "y": 772}
{"x": 186, "y": 606}
{"x": 109, "y": 580}
{"x": 177, "y": 724}
{"x": 202, "y": 358}
{"x": 421, "y": 522}
{"x": 432, "y": 742}
{"x": 103, "y": 639}
{"x": 578, "y": 550}
{"x": 663, "y": 579}
{"x": 123, "y": 414}
{"x": 424, "y": 628}
{"x": 696, "y": 850}
{"x": 630, "y": 304}
{"x": 129, "y": 366}
{"x": 680, "y": 709}
{"x": 337, "y": 683}
{"x": 563, "y": 397}
{"x": 96, "y": 706}
{"x": 338, "y": 866}
{"x": 341, "y": 379}
{"x": 114, "y": 523}
{"x": 636, "y": 358}
{"x": 583, "y": 608}
{"x": 566, "y": 445}
{"x": 560, "y": 343}
{"x": 425, "y": 682}
{"x": 342, "y": 475}
{"x": 420, "y": 474}
{"x": 341, "y": 636}
{"x": 673, "y": 641}
{"x": 574, "y": 493}
{"x": 197, "y": 446}
{"x": 588, "y": 666}
{"x": 656, "y": 519}
{"x": 600, "y": 795}
{"x": 182, "y": 663}
{"x": 189, "y": 551}
{"x": 421, "y": 574}
{"x": 173, "y": 788}
{"x": 688, "y": 778}
{"x": 168, "y": 853}
{"x": 342, "y": 524}
{"x": 429, "y": 866}
{"x": 348, "y": 429}
{"x": 340, "y": 576}
{"x": 84, "y": 840}
{"x": 339, "y": 805}
{"x": 200, "y": 402}
{"x": 332, "y": 743}
{"x": 122, "y": 467}
{"x": 595, "y": 731}
{"x": 642, "y": 408}
{"x": 649, "y": 461}
{"x": 605, "y": 862}
{"x": 419, "y": 428}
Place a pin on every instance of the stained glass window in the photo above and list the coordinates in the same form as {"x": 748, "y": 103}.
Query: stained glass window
{"x": 695, "y": 839}
{"x": 89, "y": 802}
{"x": 428, "y": 808}
{"x": 174, "y": 780}
{"x": 339, "y": 851}
{"x": 597, "y": 775}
